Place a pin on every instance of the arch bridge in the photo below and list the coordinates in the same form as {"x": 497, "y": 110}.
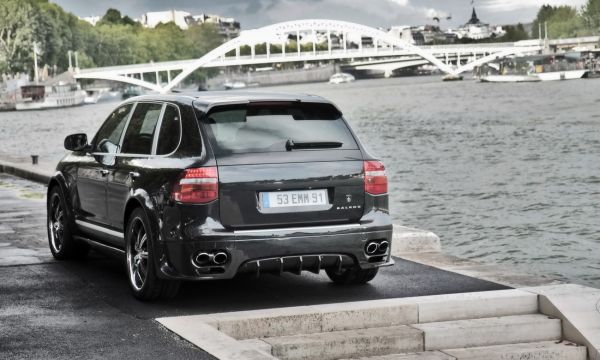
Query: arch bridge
{"x": 353, "y": 42}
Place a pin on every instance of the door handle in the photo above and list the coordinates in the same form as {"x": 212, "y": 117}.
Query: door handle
{"x": 104, "y": 172}
{"x": 134, "y": 174}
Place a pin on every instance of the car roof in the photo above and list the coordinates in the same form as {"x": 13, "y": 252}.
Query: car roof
{"x": 207, "y": 99}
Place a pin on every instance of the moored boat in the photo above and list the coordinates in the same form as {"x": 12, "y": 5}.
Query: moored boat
{"x": 509, "y": 78}
{"x": 37, "y": 97}
{"x": 562, "y": 75}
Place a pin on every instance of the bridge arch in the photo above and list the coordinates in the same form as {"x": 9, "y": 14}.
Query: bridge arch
{"x": 261, "y": 35}
{"x": 385, "y": 46}
{"x": 120, "y": 78}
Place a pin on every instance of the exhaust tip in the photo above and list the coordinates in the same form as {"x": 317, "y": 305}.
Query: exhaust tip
{"x": 202, "y": 259}
{"x": 383, "y": 246}
{"x": 220, "y": 258}
{"x": 371, "y": 248}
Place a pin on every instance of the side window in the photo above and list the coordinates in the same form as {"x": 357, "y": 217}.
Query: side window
{"x": 107, "y": 138}
{"x": 170, "y": 131}
{"x": 140, "y": 132}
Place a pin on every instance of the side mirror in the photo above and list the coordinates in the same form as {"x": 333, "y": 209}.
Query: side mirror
{"x": 76, "y": 142}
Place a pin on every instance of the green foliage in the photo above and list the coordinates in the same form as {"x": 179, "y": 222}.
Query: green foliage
{"x": 115, "y": 40}
{"x": 591, "y": 15}
{"x": 113, "y": 17}
{"x": 17, "y": 34}
{"x": 563, "y": 22}
{"x": 514, "y": 33}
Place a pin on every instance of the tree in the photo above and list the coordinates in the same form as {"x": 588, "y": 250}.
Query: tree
{"x": 112, "y": 16}
{"x": 514, "y": 33}
{"x": 591, "y": 15}
{"x": 17, "y": 34}
{"x": 563, "y": 21}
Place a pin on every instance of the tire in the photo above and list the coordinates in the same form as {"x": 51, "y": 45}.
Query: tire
{"x": 354, "y": 275}
{"x": 141, "y": 272}
{"x": 61, "y": 229}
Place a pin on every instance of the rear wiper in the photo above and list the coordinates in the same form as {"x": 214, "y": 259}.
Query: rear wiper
{"x": 291, "y": 144}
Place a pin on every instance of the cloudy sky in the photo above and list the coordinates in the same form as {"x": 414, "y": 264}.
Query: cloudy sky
{"x": 384, "y": 13}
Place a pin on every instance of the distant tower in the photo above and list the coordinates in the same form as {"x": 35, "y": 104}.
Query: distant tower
{"x": 474, "y": 19}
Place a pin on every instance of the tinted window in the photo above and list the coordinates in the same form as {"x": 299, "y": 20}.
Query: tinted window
{"x": 108, "y": 137}
{"x": 170, "y": 131}
{"x": 140, "y": 132}
{"x": 267, "y": 127}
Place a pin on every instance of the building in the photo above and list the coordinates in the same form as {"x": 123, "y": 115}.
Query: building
{"x": 475, "y": 29}
{"x": 420, "y": 35}
{"x": 228, "y": 28}
{"x": 152, "y": 19}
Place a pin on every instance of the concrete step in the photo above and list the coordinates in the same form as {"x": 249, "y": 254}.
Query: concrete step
{"x": 347, "y": 343}
{"x": 489, "y": 331}
{"x": 545, "y": 350}
{"x": 424, "y": 355}
{"x": 375, "y": 313}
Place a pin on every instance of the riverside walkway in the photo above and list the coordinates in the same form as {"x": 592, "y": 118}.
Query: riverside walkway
{"x": 85, "y": 308}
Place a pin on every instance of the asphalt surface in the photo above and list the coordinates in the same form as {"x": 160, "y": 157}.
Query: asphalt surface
{"x": 83, "y": 309}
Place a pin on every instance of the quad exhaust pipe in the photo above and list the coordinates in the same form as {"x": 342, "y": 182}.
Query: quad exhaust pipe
{"x": 372, "y": 248}
{"x": 203, "y": 259}
{"x": 220, "y": 258}
{"x": 383, "y": 246}
{"x": 377, "y": 247}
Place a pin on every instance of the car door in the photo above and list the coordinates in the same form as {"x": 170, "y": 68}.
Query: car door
{"x": 92, "y": 173}
{"x": 130, "y": 165}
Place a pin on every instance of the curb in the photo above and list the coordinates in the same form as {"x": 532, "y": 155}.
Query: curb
{"x": 408, "y": 240}
{"x": 29, "y": 172}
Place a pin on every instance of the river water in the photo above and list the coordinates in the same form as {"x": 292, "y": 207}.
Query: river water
{"x": 503, "y": 173}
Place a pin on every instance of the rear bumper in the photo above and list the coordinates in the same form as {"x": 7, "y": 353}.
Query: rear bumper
{"x": 276, "y": 250}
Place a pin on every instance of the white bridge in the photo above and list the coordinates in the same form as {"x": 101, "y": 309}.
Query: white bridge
{"x": 384, "y": 52}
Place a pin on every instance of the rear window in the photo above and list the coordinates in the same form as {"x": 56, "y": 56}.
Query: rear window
{"x": 268, "y": 127}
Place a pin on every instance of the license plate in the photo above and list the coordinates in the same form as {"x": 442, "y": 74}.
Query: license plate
{"x": 294, "y": 198}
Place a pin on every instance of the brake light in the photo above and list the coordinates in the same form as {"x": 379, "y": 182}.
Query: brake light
{"x": 197, "y": 186}
{"x": 376, "y": 181}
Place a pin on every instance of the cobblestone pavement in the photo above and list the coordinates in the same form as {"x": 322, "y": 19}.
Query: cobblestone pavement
{"x": 83, "y": 309}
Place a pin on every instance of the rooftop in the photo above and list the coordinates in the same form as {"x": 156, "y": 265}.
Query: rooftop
{"x": 209, "y": 99}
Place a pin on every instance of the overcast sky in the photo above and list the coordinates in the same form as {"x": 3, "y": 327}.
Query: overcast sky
{"x": 378, "y": 13}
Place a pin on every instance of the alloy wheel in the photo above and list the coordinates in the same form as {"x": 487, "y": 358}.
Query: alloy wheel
{"x": 56, "y": 224}
{"x": 137, "y": 254}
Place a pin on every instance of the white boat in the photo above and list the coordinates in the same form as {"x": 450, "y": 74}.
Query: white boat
{"x": 509, "y": 78}
{"x": 229, "y": 85}
{"x": 36, "y": 97}
{"x": 340, "y": 78}
{"x": 93, "y": 95}
{"x": 562, "y": 75}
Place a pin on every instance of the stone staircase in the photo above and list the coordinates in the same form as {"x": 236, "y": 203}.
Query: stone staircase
{"x": 502, "y": 324}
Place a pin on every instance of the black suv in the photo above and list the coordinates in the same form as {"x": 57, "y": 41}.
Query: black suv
{"x": 195, "y": 187}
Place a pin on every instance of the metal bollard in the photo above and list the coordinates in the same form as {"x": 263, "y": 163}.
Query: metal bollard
{"x": 34, "y": 159}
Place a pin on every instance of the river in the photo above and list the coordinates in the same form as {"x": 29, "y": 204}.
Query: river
{"x": 503, "y": 173}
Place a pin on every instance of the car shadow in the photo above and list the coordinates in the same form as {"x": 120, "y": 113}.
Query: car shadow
{"x": 107, "y": 276}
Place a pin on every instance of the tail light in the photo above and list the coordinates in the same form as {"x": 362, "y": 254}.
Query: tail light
{"x": 197, "y": 186}
{"x": 376, "y": 181}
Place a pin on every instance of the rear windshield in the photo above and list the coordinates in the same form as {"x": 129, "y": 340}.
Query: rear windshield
{"x": 269, "y": 127}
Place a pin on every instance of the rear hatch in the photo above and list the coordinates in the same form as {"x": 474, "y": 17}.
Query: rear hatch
{"x": 285, "y": 164}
